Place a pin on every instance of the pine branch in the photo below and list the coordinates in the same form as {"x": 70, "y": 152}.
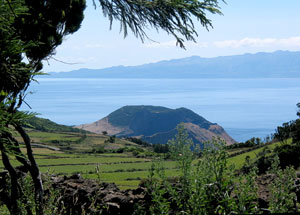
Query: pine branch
{"x": 173, "y": 16}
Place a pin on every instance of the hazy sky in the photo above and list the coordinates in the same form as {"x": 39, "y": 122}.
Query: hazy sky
{"x": 247, "y": 26}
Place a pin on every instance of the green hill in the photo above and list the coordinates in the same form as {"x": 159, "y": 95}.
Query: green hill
{"x": 49, "y": 135}
{"x": 156, "y": 124}
{"x": 47, "y": 125}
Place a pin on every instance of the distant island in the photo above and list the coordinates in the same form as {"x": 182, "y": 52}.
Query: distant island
{"x": 280, "y": 64}
{"x": 156, "y": 124}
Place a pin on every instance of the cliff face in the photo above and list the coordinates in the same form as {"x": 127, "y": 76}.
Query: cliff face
{"x": 157, "y": 124}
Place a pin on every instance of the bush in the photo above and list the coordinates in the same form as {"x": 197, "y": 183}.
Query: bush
{"x": 282, "y": 196}
{"x": 137, "y": 151}
{"x": 120, "y": 150}
{"x": 289, "y": 155}
{"x": 207, "y": 188}
{"x": 284, "y": 132}
{"x": 161, "y": 148}
{"x": 111, "y": 139}
{"x": 296, "y": 132}
{"x": 138, "y": 141}
{"x": 98, "y": 149}
{"x": 254, "y": 141}
{"x": 262, "y": 162}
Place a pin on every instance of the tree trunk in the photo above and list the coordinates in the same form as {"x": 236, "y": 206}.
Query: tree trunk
{"x": 14, "y": 195}
{"x": 34, "y": 171}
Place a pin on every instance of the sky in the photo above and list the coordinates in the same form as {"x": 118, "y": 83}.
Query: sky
{"x": 246, "y": 26}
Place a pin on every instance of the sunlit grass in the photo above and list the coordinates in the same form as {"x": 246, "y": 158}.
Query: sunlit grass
{"x": 239, "y": 160}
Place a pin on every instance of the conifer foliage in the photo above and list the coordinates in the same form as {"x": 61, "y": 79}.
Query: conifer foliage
{"x": 173, "y": 16}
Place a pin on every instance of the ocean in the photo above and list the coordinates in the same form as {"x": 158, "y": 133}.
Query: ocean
{"x": 245, "y": 108}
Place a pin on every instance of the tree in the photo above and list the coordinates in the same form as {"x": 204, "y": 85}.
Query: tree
{"x": 289, "y": 130}
{"x": 284, "y": 132}
{"x": 289, "y": 154}
{"x": 31, "y": 30}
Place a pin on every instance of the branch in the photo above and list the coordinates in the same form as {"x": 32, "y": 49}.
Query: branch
{"x": 11, "y": 9}
{"x": 17, "y": 151}
{"x": 14, "y": 208}
{"x": 172, "y": 16}
{"x": 63, "y": 61}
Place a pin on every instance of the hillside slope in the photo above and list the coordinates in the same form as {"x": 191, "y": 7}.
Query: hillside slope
{"x": 47, "y": 125}
{"x": 156, "y": 124}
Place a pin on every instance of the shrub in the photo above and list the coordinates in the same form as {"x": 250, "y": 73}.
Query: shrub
{"x": 207, "y": 188}
{"x": 262, "y": 161}
{"x": 120, "y": 150}
{"x": 138, "y": 141}
{"x": 98, "y": 149}
{"x": 282, "y": 197}
{"x": 289, "y": 155}
{"x": 296, "y": 132}
{"x": 111, "y": 139}
{"x": 161, "y": 148}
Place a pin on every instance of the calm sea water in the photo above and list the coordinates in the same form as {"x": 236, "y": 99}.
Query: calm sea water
{"x": 244, "y": 107}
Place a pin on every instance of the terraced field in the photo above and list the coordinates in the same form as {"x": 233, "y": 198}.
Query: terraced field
{"x": 122, "y": 169}
{"x": 62, "y": 153}
{"x": 239, "y": 160}
{"x": 70, "y": 153}
{"x": 76, "y": 142}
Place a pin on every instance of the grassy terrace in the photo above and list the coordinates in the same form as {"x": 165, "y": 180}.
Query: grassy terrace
{"x": 239, "y": 160}
{"x": 75, "y": 142}
{"x": 121, "y": 168}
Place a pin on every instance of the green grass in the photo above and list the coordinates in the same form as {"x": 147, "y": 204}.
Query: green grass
{"x": 90, "y": 159}
{"x": 49, "y": 126}
{"x": 121, "y": 168}
{"x": 125, "y": 175}
{"x": 43, "y": 151}
{"x": 51, "y": 136}
{"x": 105, "y": 168}
{"x": 76, "y": 142}
{"x": 239, "y": 160}
{"x": 126, "y": 179}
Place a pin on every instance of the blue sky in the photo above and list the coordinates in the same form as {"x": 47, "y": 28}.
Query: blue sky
{"x": 247, "y": 26}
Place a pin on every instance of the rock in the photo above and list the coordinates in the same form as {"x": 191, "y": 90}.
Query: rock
{"x": 114, "y": 197}
{"x": 113, "y": 208}
{"x": 75, "y": 176}
{"x": 139, "y": 190}
{"x": 109, "y": 186}
{"x": 79, "y": 194}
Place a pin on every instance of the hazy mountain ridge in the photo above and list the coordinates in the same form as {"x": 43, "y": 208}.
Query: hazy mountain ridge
{"x": 156, "y": 124}
{"x": 280, "y": 64}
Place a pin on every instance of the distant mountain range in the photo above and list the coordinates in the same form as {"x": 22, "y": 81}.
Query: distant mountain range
{"x": 280, "y": 64}
{"x": 156, "y": 124}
